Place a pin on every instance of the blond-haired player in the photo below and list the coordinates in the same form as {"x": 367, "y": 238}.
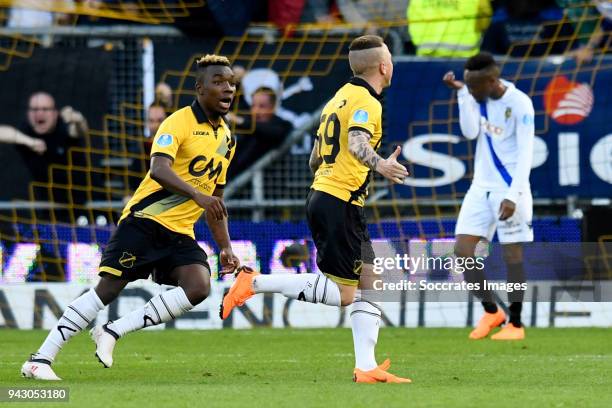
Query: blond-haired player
{"x": 343, "y": 158}
{"x": 189, "y": 159}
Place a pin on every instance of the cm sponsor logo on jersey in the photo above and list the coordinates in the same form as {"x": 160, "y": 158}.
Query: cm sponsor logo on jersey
{"x": 201, "y": 166}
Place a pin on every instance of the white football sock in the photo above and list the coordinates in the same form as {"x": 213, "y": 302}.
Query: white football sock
{"x": 309, "y": 287}
{"x": 365, "y": 321}
{"x": 159, "y": 309}
{"x": 82, "y": 311}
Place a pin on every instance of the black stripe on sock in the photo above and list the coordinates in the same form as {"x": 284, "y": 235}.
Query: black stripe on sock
{"x": 110, "y": 331}
{"x": 366, "y": 312}
{"x": 73, "y": 323}
{"x": 60, "y": 327}
{"x": 79, "y": 313}
{"x": 39, "y": 360}
{"x": 324, "y": 297}
{"x": 167, "y": 308}
{"x": 156, "y": 312}
{"x": 374, "y": 305}
{"x": 314, "y": 293}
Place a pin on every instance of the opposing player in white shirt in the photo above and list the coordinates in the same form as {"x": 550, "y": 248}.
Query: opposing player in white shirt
{"x": 501, "y": 118}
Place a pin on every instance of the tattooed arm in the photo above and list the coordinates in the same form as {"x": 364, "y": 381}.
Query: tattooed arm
{"x": 315, "y": 160}
{"x": 359, "y": 146}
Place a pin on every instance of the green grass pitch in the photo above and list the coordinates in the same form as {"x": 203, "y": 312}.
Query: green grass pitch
{"x": 308, "y": 368}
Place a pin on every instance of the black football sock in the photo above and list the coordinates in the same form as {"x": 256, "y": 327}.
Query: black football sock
{"x": 515, "y": 313}
{"x": 489, "y": 307}
{"x": 516, "y": 274}
{"x": 477, "y": 277}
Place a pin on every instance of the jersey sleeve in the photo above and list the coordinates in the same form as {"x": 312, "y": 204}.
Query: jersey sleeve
{"x": 168, "y": 138}
{"x": 469, "y": 114}
{"x": 525, "y": 135}
{"x": 222, "y": 180}
{"x": 365, "y": 116}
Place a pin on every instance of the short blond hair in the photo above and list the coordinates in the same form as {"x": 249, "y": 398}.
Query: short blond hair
{"x": 365, "y": 53}
{"x": 366, "y": 42}
{"x": 212, "y": 59}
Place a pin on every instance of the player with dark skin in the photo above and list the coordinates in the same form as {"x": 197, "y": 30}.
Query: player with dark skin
{"x": 482, "y": 85}
{"x": 215, "y": 89}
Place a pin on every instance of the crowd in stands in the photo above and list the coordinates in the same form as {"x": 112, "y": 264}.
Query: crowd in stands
{"x": 452, "y": 28}
{"x": 455, "y": 28}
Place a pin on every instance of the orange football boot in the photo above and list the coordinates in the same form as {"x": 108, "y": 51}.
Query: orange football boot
{"x": 487, "y": 323}
{"x": 378, "y": 375}
{"x": 510, "y": 332}
{"x": 240, "y": 291}
{"x": 385, "y": 365}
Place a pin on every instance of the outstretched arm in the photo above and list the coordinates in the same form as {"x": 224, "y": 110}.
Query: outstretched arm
{"x": 9, "y": 134}
{"x": 359, "y": 146}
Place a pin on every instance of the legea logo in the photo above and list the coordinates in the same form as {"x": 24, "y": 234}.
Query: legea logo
{"x": 567, "y": 102}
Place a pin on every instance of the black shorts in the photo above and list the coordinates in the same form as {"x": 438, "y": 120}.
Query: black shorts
{"x": 140, "y": 247}
{"x": 339, "y": 231}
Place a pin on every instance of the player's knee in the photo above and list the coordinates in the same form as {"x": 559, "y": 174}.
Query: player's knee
{"x": 347, "y": 298}
{"x": 198, "y": 291}
{"x": 108, "y": 289}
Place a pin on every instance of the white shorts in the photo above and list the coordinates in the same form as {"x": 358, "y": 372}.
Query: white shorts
{"x": 479, "y": 216}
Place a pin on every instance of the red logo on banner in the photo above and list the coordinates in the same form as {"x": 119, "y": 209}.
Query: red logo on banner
{"x": 567, "y": 102}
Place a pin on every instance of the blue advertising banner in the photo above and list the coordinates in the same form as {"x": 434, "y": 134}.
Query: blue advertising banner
{"x": 259, "y": 245}
{"x": 573, "y": 147}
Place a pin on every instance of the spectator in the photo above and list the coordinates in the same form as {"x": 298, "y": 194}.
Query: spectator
{"x": 155, "y": 116}
{"x": 262, "y": 131}
{"x": 46, "y": 135}
{"x": 163, "y": 94}
{"x": 240, "y": 98}
{"x": 527, "y": 28}
{"x": 447, "y": 28}
{"x": 600, "y": 39}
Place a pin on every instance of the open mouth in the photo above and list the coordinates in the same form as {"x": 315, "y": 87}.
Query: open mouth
{"x": 225, "y": 102}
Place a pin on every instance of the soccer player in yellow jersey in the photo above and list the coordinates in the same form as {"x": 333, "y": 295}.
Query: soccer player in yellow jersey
{"x": 189, "y": 159}
{"x": 343, "y": 157}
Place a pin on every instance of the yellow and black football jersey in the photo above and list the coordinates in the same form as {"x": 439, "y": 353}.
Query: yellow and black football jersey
{"x": 355, "y": 106}
{"x": 201, "y": 155}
